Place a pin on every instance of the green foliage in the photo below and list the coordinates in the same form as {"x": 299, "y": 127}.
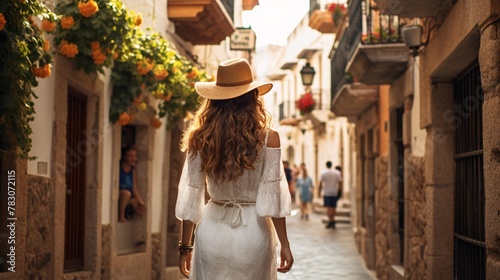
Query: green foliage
{"x": 149, "y": 66}
{"x": 144, "y": 63}
{"x": 21, "y": 49}
{"x": 108, "y": 26}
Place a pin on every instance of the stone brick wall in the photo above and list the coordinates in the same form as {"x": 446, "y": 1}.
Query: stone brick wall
{"x": 416, "y": 243}
{"x": 156, "y": 259}
{"x": 382, "y": 202}
{"x": 106, "y": 252}
{"x": 40, "y": 233}
{"x": 173, "y": 224}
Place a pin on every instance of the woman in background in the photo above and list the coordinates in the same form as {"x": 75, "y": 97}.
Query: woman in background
{"x": 305, "y": 187}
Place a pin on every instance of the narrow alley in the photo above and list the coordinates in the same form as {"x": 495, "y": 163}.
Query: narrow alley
{"x": 323, "y": 254}
{"x": 102, "y": 102}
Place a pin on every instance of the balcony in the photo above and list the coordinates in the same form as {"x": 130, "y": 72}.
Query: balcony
{"x": 413, "y": 8}
{"x": 285, "y": 115}
{"x": 327, "y": 20}
{"x": 381, "y": 55}
{"x": 323, "y": 22}
{"x": 354, "y": 99}
{"x": 345, "y": 48}
{"x": 378, "y": 64}
{"x": 201, "y": 22}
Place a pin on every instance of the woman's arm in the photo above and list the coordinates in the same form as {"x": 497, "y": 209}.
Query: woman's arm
{"x": 184, "y": 261}
{"x": 285, "y": 252}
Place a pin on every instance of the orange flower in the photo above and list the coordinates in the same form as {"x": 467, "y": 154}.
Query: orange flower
{"x": 138, "y": 20}
{"x": 2, "y": 21}
{"x": 168, "y": 96}
{"x": 43, "y": 72}
{"x": 193, "y": 74}
{"x": 95, "y": 45}
{"x": 67, "y": 22}
{"x": 98, "y": 57}
{"x": 48, "y": 25}
{"x": 143, "y": 68}
{"x": 160, "y": 72}
{"x": 88, "y": 9}
{"x": 46, "y": 45}
{"x": 124, "y": 118}
{"x": 115, "y": 55}
{"x": 68, "y": 49}
{"x": 155, "y": 122}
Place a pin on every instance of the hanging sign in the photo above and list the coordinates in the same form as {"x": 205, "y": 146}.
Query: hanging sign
{"x": 242, "y": 39}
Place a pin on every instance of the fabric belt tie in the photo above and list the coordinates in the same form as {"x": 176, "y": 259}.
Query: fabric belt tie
{"x": 236, "y": 212}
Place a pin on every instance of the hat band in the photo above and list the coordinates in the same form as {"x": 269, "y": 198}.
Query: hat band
{"x": 234, "y": 84}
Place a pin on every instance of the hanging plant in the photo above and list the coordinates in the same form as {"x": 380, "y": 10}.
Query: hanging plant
{"x": 91, "y": 33}
{"x": 306, "y": 103}
{"x": 25, "y": 55}
{"x": 338, "y": 12}
{"x": 149, "y": 67}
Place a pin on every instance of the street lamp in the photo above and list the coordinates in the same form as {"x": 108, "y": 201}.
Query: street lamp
{"x": 307, "y": 74}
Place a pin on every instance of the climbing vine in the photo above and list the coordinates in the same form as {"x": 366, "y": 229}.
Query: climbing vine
{"x": 25, "y": 55}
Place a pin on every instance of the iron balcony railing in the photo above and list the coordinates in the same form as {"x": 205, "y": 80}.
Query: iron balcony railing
{"x": 287, "y": 110}
{"x": 378, "y": 28}
{"x": 348, "y": 43}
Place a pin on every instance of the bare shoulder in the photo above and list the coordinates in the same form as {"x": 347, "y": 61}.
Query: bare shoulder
{"x": 273, "y": 140}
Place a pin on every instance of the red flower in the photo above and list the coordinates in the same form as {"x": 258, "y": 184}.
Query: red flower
{"x": 306, "y": 103}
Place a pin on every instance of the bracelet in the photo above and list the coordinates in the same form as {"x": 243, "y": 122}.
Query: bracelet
{"x": 183, "y": 248}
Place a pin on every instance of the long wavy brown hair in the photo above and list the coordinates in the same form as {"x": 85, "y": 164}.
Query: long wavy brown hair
{"x": 228, "y": 134}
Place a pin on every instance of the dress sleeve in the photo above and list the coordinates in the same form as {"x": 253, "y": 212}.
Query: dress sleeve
{"x": 273, "y": 197}
{"x": 191, "y": 196}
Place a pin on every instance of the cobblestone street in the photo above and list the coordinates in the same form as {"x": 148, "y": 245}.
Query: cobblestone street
{"x": 323, "y": 254}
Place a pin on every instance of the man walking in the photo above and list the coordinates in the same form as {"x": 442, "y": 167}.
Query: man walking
{"x": 330, "y": 183}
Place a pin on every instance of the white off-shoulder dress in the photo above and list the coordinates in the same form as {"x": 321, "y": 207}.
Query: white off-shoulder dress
{"x": 234, "y": 237}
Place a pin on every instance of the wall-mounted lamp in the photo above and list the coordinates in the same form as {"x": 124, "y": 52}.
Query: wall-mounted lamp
{"x": 307, "y": 74}
{"x": 412, "y": 36}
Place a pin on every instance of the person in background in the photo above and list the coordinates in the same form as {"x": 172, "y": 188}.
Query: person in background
{"x": 305, "y": 187}
{"x": 129, "y": 194}
{"x": 329, "y": 185}
{"x": 233, "y": 154}
{"x": 289, "y": 179}
{"x": 340, "y": 183}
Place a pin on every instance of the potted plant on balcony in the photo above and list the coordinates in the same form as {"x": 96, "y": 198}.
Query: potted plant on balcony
{"x": 306, "y": 103}
{"x": 338, "y": 12}
{"x": 388, "y": 35}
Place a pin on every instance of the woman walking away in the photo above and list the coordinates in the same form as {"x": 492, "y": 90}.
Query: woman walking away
{"x": 232, "y": 153}
{"x": 305, "y": 187}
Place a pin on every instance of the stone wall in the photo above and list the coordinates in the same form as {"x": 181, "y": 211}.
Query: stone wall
{"x": 156, "y": 259}
{"x": 106, "y": 252}
{"x": 489, "y": 60}
{"x": 416, "y": 243}
{"x": 382, "y": 215}
{"x": 40, "y": 225}
{"x": 173, "y": 224}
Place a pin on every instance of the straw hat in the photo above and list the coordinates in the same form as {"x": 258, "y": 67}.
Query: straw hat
{"x": 234, "y": 78}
